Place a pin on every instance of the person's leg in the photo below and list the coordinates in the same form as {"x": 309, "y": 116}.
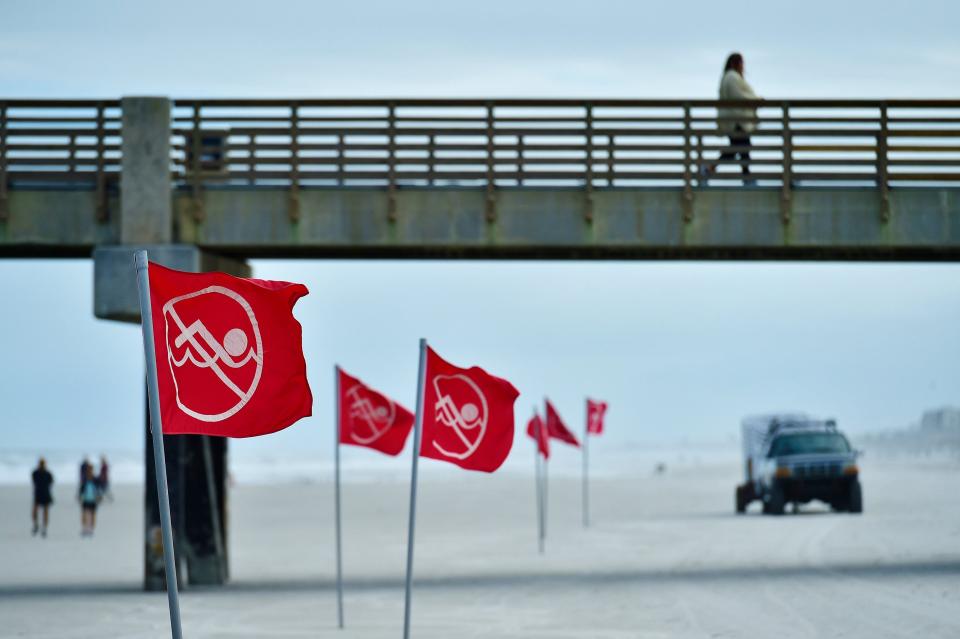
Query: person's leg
{"x": 46, "y": 519}
{"x": 93, "y": 519}
{"x": 33, "y": 516}
{"x": 84, "y": 517}
{"x": 745, "y": 154}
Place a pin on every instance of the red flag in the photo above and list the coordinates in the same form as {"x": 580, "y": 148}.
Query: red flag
{"x": 537, "y": 431}
{"x": 229, "y": 354}
{"x": 595, "y": 414}
{"x": 557, "y": 429}
{"x": 368, "y": 418}
{"x": 467, "y": 415}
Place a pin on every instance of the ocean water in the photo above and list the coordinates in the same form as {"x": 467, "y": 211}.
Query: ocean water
{"x": 362, "y": 465}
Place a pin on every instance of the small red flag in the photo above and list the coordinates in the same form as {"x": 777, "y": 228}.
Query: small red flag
{"x": 595, "y": 413}
{"x": 229, "y": 353}
{"x": 371, "y": 419}
{"x": 537, "y": 431}
{"x": 557, "y": 429}
{"x": 467, "y": 415}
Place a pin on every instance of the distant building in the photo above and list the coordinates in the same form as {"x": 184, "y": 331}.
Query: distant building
{"x": 944, "y": 420}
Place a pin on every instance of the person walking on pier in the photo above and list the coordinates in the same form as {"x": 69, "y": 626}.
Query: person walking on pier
{"x": 89, "y": 497}
{"x": 42, "y": 496}
{"x": 735, "y": 122}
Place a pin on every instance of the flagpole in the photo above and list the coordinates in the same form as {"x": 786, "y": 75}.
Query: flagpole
{"x": 544, "y": 479}
{"x": 586, "y": 480}
{"x": 336, "y": 496}
{"x": 536, "y": 475}
{"x": 156, "y": 429}
{"x": 417, "y": 427}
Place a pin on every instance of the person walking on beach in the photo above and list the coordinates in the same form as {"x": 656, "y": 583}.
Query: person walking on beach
{"x": 85, "y": 465}
{"x": 735, "y": 122}
{"x": 42, "y": 496}
{"x": 103, "y": 478}
{"x": 89, "y": 497}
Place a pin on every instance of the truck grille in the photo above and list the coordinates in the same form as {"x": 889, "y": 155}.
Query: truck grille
{"x": 814, "y": 471}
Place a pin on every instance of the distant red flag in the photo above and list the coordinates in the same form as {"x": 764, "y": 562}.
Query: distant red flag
{"x": 371, "y": 419}
{"x": 467, "y": 415}
{"x": 537, "y": 430}
{"x": 229, "y": 353}
{"x": 595, "y": 413}
{"x": 557, "y": 429}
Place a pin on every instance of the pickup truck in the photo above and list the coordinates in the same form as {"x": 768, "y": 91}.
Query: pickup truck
{"x": 794, "y": 459}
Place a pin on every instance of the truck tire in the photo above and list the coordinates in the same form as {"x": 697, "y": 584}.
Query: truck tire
{"x": 855, "y": 498}
{"x": 775, "y": 502}
{"x": 740, "y": 500}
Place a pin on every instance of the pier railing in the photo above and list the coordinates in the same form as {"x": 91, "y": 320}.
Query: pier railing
{"x": 60, "y": 143}
{"x": 491, "y": 144}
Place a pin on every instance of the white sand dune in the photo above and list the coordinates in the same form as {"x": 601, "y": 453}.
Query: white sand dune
{"x": 665, "y": 557}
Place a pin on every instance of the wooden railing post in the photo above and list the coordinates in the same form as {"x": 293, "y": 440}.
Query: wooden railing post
{"x": 611, "y": 159}
{"x": 883, "y": 178}
{"x": 252, "y": 158}
{"x": 491, "y": 212}
{"x": 786, "y": 193}
{"x": 687, "y": 159}
{"x": 431, "y": 155}
{"x": 392, "y": 162}
{"x": 102, "y": 212}
{"x": 588, "y": 126}
{"x": 519, "y": 160}
{"x": 701, "y": 165}
{"x": 294, "y": 204}
{"x": 196, "y": 167}
{"x": 340, "y": 153}
{"x": 4, "y": 208}
{"x": 72, "y": 154}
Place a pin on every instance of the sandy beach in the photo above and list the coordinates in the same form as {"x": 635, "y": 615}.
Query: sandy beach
{"x": 665, "y": 557}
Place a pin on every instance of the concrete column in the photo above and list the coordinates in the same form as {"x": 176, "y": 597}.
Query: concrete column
{"x": 146, "y": 212}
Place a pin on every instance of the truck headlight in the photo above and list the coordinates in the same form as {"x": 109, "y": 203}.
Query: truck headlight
{"x": 782, "y": 472}
{"x": 850, "y": 470}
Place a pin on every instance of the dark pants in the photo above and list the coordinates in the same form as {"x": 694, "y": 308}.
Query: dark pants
{"x": 739, "y": 138}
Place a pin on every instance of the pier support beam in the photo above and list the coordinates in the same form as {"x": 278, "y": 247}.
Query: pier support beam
{"x": 198, "y": 494}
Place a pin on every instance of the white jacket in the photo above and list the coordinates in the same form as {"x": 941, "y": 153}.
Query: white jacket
{"x": 734, "y": 87}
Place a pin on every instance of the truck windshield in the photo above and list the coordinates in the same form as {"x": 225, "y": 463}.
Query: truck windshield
{"x": 809, "y": 443}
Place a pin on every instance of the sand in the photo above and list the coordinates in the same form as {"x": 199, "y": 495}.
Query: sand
{"x": 665, "y": 557}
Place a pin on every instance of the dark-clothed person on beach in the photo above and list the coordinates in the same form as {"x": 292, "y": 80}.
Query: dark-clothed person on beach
{"x": 42, "y": 496}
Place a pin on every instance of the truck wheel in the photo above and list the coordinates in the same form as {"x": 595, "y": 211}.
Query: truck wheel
{"x": 855, "y": 500}
{"x": 775, "y": 502}
{"x": 740, "y": 500}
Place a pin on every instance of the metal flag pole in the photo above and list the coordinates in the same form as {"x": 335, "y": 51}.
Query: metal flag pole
{"x": 544, "y": 478}
{"x": 336, "y": 496}
{"x": 536, "y": 475}
{"x": 586, "y": 480}
{"x": 417, "y": 427}
{"x": 156, "y": 429}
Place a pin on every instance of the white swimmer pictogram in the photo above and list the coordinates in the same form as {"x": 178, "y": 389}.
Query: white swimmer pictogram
{"x": 205, "y": 352}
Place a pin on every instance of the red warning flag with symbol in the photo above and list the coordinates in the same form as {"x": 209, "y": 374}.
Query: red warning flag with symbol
{"x": 467, "y": 415}
{"x": 537, "y": 431}
{"x": 595, "y": 414}
{"x": 557, "y": 429}
{"x": 229, "y": 353}
{"x": 369, "y": 418}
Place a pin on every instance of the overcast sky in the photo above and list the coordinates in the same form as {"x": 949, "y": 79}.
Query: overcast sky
{"x": 681, "y": 350}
